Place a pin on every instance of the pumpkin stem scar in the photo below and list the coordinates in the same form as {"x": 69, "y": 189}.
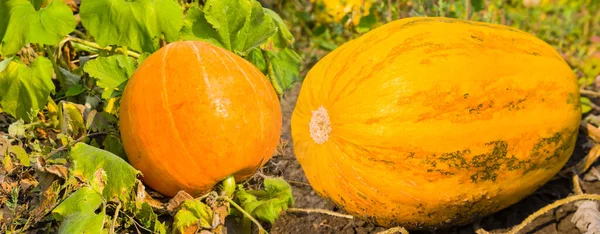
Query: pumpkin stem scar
{"x": 319, "y": 125}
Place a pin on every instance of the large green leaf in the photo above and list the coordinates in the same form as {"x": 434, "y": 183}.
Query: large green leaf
{"x": 137, "y": 24}
{"x": 237, "y": 25}
{"x": 86, "y": 160}
{"x": 78, "y": 212}
{"x": 112, "y": 73}
{"x": 268, "y": 203}
{"x": 20, "y": 24}
{"x": 23, "y": 88}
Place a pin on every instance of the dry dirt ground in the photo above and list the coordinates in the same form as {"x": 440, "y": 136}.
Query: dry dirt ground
{"x": 556, "y": 221}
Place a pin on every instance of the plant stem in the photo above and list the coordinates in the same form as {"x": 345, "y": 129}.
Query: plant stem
{"x": 319, "y": 211}
{"x": 540, "y": 212}
{"x": 114, "y": 221}
{"x": 394, "y": 230}
{"x": 95, "y": 48}
{"x": 260, "y": 228}
{"x": 228, "y": 185}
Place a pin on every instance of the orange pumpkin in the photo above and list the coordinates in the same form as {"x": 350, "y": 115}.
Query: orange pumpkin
{"x": 194, "y": 114}
{"x": 432, "y": 122}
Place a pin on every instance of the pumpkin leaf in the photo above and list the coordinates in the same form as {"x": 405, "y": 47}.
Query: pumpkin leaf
{"x": 149, "y": 219}
{"x": 283, "y": 38}
{"x": 23, "y": 88}
{"x": 257, "y": 58}
{"x": 111, "y": 73}
{"x": 268, "y": 203}
{"x": 21, "y": 23}
{"x": 283, "y": 69}
{"x": 193, "y": 212}
{"x": 86, "y": 160}
{"x": 137, "y": 24}
{"x": 236, "y": 25}
{"x": 78, "y": 212}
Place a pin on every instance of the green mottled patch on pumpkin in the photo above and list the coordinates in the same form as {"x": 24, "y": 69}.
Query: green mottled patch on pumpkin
{"x": 574, "y": 100}
{"x": 485, "y": 167}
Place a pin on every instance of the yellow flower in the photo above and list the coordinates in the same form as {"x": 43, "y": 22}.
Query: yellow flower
{"x": 335, "y": 10}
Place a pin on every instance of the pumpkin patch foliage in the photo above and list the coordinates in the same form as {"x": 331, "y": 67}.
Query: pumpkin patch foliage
{"x": 303, "y": 116}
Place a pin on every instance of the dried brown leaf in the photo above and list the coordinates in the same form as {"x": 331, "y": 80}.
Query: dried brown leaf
{"x": 58, "y": 170}
{"x": 592, "y": 175}
{"x": 27, "y": 183}
{"x": 176, "y": 201}
{"x": 587, "y": 217}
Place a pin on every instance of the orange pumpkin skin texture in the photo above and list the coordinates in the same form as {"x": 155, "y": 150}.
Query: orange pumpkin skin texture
{"x": 193, "y": 114}
{"x": 431, "y": 122}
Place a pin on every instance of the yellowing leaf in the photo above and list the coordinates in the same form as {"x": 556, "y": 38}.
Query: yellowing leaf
{"x": 120, "y": 176}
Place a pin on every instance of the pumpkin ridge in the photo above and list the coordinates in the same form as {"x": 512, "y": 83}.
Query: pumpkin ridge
{"x": 261, "y": 118}
{"x": 169, "y": 111}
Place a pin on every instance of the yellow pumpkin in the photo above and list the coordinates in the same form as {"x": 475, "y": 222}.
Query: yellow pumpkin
{"x": 432, "y": 122}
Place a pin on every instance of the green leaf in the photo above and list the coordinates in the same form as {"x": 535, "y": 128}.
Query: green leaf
{"x": 86, "y": 160}
{"x": 21, "y": 154}
{"x": 268, "y": 203}
{"x": 283, "y": 38}
{"x": 256, "y": 57}
{"x": 477, "y": 5}
{"x": 22, "y": 24}
{"x": 197, "y": 28}
{"x": 112, "y": 73}
{"x": 284, "y": 67}
{"x": 236, "y": 25}
{"x": 78, "y": 212}
{"x": 137, "y": 24}
{"x": 193, "y": 212}
{"x": 366, "y": 23}
{"x": 24, "y": 88}
{"x": 586, "y": 105}
{"x": 149, "y": 219}
{"x": 75, "y": 90}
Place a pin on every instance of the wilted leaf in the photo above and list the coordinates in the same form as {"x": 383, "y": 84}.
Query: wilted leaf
{"x": 193, "y": 214}
{"x": 71, "y": 118}
{"x": 112, "y": 73}
{"x": 177, "y": 200}
{"x": 267, "y": 204}
{"x": 17, "y": 129}
{"x": 23, "y": 87}
{"x": 237, "y": 25}
{"x": 137, "y": 24}
{"x": 20, "y": 24}
{"x": 21, "y": 154}
{"x": 86, "y": 160}
{"x": 78, "y": 212}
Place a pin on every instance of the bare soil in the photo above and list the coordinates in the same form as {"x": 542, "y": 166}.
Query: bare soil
{"x": 556, "y": 221}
